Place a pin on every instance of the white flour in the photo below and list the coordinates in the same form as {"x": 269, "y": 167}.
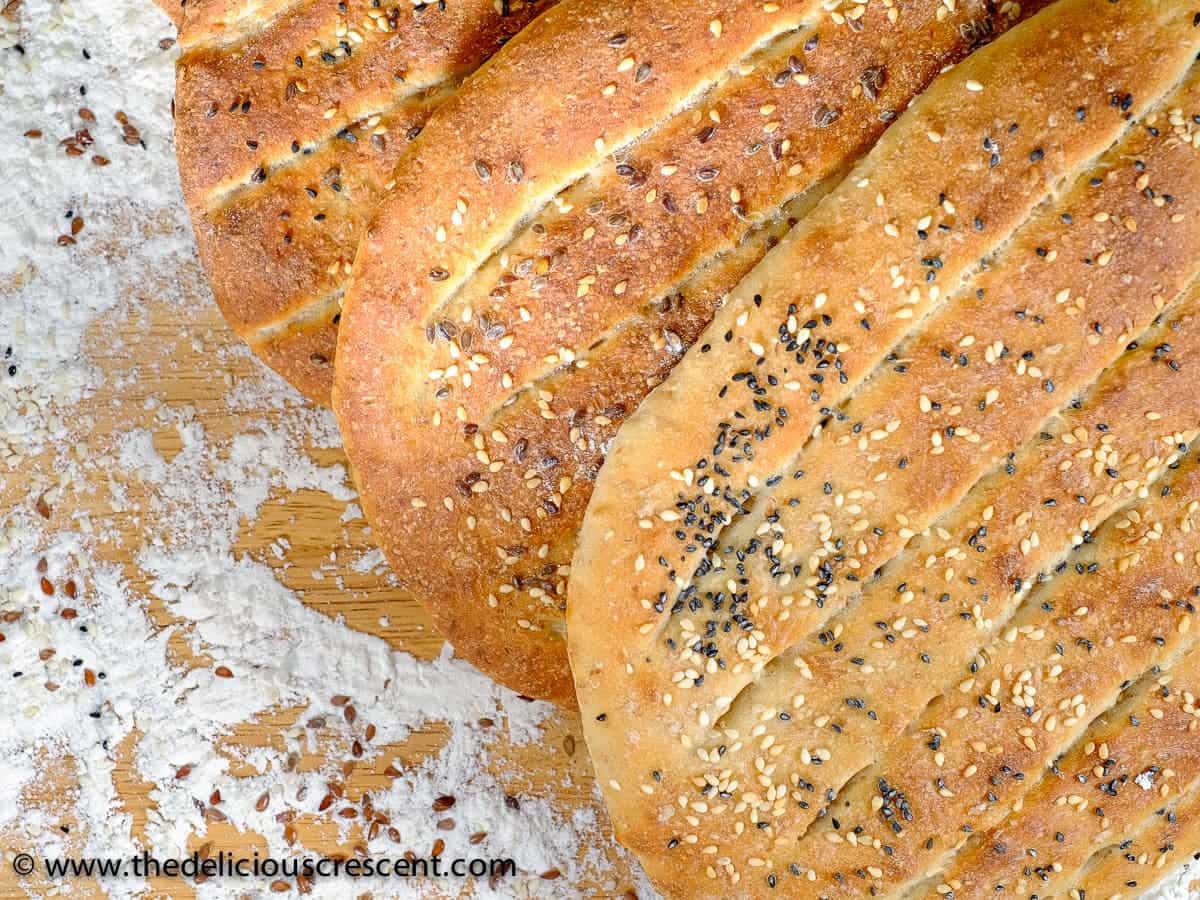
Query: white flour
{"x": 134, "y": 248}
{"x": 112, "y": 680}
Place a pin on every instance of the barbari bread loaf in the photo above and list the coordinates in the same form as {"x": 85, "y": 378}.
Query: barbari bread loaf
{"x": 725, "y": 585}
{"x": 290, "y": 115}
{"x": 1006, "y": 515}
{"x": 556, "y": 237}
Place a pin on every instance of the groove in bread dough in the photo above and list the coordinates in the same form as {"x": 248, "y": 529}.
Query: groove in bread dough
{"x": 316, "y": 309}
{"x": 222, "y": 193}
{"x": 1164, "y": 764}
{"x": 794, "y": 208}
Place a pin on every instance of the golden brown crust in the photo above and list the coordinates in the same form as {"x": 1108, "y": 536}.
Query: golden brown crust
{"x": 541, "y": 295}
{"x": 173, "y": 9}
{"x": 289, "y": 118}
{"x": 1127, "y": 869}
{"x": 623, "y": 670}
{"x": 1129, "y": 763}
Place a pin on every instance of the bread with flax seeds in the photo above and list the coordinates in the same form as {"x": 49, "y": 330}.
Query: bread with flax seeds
{"x": 556, "y": 237}
{"x": 695, "y": 569}
{"x": 290, "y": 115}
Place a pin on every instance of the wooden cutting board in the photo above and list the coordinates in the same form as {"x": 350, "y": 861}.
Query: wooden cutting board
{"x": 174, "y": 354}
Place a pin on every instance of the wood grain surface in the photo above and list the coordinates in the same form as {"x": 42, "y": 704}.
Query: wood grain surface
{"x": 180, "y": 355}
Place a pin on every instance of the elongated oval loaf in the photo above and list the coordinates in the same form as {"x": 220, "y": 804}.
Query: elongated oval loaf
{"x": 943, "y": 354}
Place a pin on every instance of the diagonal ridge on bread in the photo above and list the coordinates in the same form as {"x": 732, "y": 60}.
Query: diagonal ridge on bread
{"x": 1130, "y": 761}
{"x": 290, "y": 115}
{"x": 840, "y": 690}
{"x": 496, "y": 335}
{"x": 632, "y": 662}
{"x": 1124, "y": 605}
{"x": 1135, "y": 864}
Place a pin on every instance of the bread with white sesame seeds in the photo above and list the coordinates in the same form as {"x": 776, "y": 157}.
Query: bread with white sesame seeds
{"x": 529, "y": 279}
{"x": 653, "y": 503}
{"x": 1121, "y": 607}
{"x": 1132, "y": 866}
{"x": 290, "y": 115}
{"x": 1131, "y": 761}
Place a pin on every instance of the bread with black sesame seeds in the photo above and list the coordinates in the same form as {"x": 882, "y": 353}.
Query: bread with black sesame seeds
{"x": 1131, "y": 761}
{"x": 499, "y": 330}
{"x": 842, "y": 697}
{"x": 1167, "y": 845}
{"x": 1007, "y": 529}
{"x": 290, "y": 115}
{"x": 848, "y": 692}
{"x": 1122, "y": 607}
{"x": 624, "y": 669}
